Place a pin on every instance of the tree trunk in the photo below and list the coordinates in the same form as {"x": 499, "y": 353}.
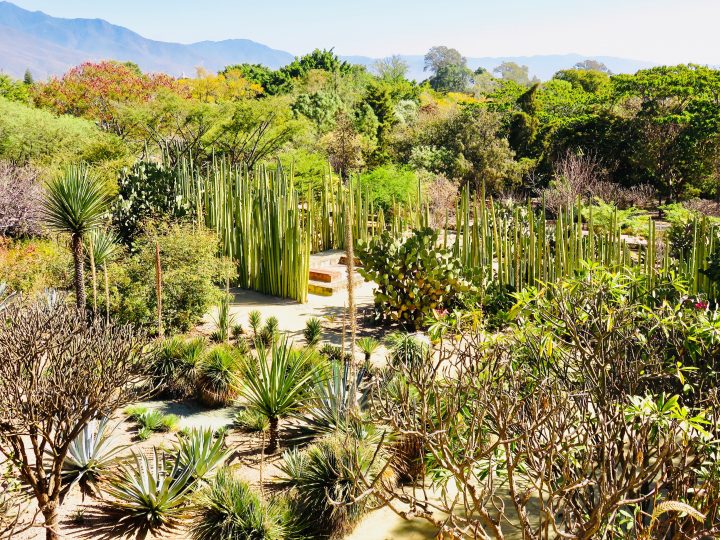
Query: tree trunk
{"x": 49, "y": 512}
{"x": 273, "y": 435}
{"x": 77, "y": 249}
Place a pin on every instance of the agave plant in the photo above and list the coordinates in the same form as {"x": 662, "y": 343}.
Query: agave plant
{"x": 218, "y": 376}
{"x": 202, "y": 452}
{"x": 229, "y": 509}
{"x": 313, "y": 331}
{"x": 324, "y": 477}
{"x": 89, "y": 457}
{"x": 337, "y": 405}
{"x": 76, "y": 203}
{"x": 148, "y": 496}
{"x": 277, "y": 386}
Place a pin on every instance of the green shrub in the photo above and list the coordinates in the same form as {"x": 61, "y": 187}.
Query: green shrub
{"x": 414, "y": 276}
{"x": 608, "y": 218}
{"x": 191, "y": 270}
{"x": 30, "y": 266}
{"x": 325, "y": 472}
{"x": 251, "y": 420}
{"x": 201, "y": 451}
{"x": 255, "y": 322}
{"x": 219, "y": 376}
{"x": 174, "y": 366}
{"x": 133, "y": 412}
{"x": 228, "y": 509}
{"x": 389, "y": 184}
{"x": 158, "y": 422}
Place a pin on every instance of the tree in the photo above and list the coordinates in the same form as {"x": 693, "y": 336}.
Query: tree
{"x": 513, "y": 72}
{"x": 59, "y": 372}
{"x": 379, "y": 99}
{"x": 451, "y": 78}
{"x": 28, "y": 77}
{"x": 392, "y": 69}
{"x": 592, "y": 65}
{"x": 344, "y": 147}
{"x": 589, "y": 80}
{"x": 76, "y": 203}
{"x": 441, "y": 56}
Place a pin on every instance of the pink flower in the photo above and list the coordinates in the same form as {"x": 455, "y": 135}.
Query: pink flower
{"x": 441, "y": 313}
{"x": 701, "y": 304}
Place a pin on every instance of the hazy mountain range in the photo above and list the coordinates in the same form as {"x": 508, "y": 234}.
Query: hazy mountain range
{"x": 49, "y": 46}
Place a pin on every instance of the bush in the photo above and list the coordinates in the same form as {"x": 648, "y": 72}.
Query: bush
{"x": 191, "y": 270}
{"x": 313, "y": 331}
{"x": 20, "y": 200}
{"x": 229, "y": 509}
{"x": 174, "y": 366}
{"x": 219, "y": 376}
{"x": 389, "y": 184}
{"x": 30, "y": 266}
{"x": 325, "y": 472}
{"x": 414, "y": 276}
{"x": 251, "y": 420}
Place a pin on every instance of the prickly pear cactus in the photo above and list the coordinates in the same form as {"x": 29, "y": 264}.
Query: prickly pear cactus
{"x": 414, "y": 275}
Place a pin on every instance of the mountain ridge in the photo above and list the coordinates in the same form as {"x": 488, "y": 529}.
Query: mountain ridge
{"x": 49, "y": 46}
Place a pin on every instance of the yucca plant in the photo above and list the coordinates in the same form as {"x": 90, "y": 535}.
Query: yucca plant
{"x": 174, "y": 366}
{"x": 255, "y": 322}
{"x": 90, "y": 457}
{"x": 313, "y": 331}
{"x": 219, "y": 376}
{"x": 229, "y": 510}
{"x": 201, "y": 451}
{"x": 224, "y": 320}
{"x": 277, "y": 385}
{"x": 325, "y": 480}
{"x": 149, "y": 495}
{"x": 105, "y": 247}
{"x": 75, "y": 203}
{"x": 270, "y": 332}
{"x": 368, "y": 346}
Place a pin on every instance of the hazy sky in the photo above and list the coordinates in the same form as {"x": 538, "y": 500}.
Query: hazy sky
{"x": 665, "y": 31}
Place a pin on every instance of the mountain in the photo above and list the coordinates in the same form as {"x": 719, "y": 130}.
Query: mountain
{"x": 50, "y": 46}
{"x": 540, "y": 66}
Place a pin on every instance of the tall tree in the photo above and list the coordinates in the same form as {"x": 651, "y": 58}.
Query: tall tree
{"x": 513, "y": 72}
{"x": 441, "y": 56}
{"x": 76, "y": 203}
{"x": 392, "y": 69}
{"x": 592, "y": 65}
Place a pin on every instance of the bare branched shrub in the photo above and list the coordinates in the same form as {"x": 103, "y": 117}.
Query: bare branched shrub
{"x": 19, "y": 199}
{"x": 441, "y": 195}
{"x": 575, "y": 177}
{"x": 703, "y": 206}
{"x": 564, "y": 428}
{"x": 58, "y": 371}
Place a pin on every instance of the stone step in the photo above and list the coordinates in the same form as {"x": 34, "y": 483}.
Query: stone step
{"x": 325, "y": 275}
{"x": 323, "y": 288}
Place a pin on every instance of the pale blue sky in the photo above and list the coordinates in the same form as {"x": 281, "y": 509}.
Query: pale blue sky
{"x": 665, "y": 31}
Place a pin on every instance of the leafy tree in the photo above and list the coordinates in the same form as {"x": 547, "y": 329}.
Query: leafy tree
{"x": 28, "y": 77}
{"x": 379, "y": 99}
{"x": 13, "y": 90}
{"x": 592, "y": 81}
{"x": 513, "y": 72}
{"x": 592, "y": 65}
{"x": 441, "y": 56}
{"x": 318, "y": 107}
{"x": 524, "y": 125}
{"x": 75, "y": 204}
{"x": 451, "y": 78}
{"x": 94, "y": 91}
{"x": 392, "y": 70}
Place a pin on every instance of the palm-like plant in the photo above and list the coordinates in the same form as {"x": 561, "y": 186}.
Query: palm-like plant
{"x": 277, "y": 386}
{"x": 76, "y": 203}
{"x": 368, "y": 346}
{"x": 105, "y": 247}
{"x": 89, "y": 456}
{"x": 149, "y": 497}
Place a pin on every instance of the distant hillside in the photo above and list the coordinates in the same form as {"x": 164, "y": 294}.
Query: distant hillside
{"x": 50, "y": 46}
